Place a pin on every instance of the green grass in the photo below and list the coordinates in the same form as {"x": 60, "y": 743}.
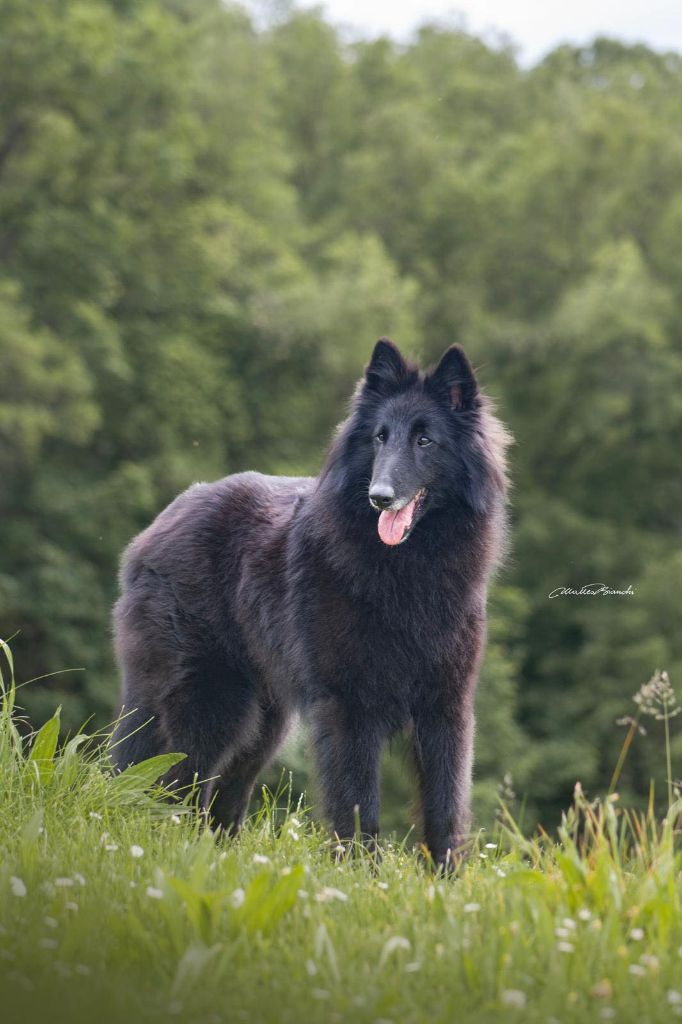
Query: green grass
{"x": 115, "y": 906}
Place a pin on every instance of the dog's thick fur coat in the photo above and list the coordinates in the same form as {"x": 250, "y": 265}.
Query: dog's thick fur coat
{"x": 254, "y": 597}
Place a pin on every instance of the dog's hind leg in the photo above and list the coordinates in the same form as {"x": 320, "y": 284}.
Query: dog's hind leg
{"x": 207, "y": 714}
{"x": 228, "y": 796}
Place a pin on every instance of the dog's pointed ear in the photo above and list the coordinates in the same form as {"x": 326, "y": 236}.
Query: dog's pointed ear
{"x": 454, "y": 380}
{"x": 386, "y": 370}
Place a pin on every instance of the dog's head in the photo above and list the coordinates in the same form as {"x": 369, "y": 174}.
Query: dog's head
{"x": 421, "y": 439}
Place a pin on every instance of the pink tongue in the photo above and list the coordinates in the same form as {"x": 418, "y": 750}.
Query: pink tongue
{"x": 394, "y": 525}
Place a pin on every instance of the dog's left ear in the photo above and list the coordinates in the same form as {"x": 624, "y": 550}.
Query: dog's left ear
{"x": 454, "y": 381}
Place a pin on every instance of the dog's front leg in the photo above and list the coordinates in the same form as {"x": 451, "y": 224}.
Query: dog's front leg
{"x": 347, "y": 749}
{"x": 443, "y": 742}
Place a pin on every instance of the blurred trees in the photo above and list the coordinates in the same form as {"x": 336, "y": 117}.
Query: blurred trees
{"x": 203, "y": 228}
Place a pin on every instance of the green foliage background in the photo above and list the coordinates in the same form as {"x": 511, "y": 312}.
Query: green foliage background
{"x": 204, "y": 225}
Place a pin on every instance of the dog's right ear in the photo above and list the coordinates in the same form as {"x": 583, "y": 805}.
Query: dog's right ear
{"x": 387, "y": 370}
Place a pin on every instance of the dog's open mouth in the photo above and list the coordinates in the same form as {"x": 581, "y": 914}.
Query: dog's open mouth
{"x": 394, "y": 527}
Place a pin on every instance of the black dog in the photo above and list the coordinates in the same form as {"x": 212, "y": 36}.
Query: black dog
{"x": 357, "y": 597}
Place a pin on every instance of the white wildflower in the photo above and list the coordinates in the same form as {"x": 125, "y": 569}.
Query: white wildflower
{"x": 294, "y": 835}
{"x": 63, "y": 883}
{"x": 71, "y": 906}
{"x": 95, "y": 816}
{"x": 50, "y": 922}
{"x": 328, "y": 893}
{"x": 238, "y": 897}
{"x": 568, "y": 922}
{"x": 674, "y": 997}
{"x": 602, "y": 989}
{"x": 136, "y": 851}
{"x": 471, "y": 908}
{"x": 492, "y": 846}
{"x": 637, "y": 970}
{"x": 77, "y": 877}
{"x": 154, "y": 893}
{"x": 514, "y": 997}
{"x": 382, "y": 885}
{"x": 18, "y": 886}
{"x": 565, "y": 947}
{"x": 584, "y": 914}
{"x": 637, "y": 934}
{"x": 260, "y": 858}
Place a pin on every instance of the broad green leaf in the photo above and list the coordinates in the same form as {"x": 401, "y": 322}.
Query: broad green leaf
{"x": 43, "y": 748}
{"x": 138, "y": 778}
{"x": 264, "y": 904}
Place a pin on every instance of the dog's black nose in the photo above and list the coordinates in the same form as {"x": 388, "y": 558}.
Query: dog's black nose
{"x": 381, "y": 496}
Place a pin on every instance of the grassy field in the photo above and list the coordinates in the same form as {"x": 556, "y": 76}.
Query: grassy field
{"x": 116, "y": 906}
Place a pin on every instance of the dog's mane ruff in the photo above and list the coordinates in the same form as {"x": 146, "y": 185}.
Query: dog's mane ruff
{"x": 496, "y": 440}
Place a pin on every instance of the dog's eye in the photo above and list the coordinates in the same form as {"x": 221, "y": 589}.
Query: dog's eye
{"x": 381, "y": 436}
{"x": 423, "y": 440}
